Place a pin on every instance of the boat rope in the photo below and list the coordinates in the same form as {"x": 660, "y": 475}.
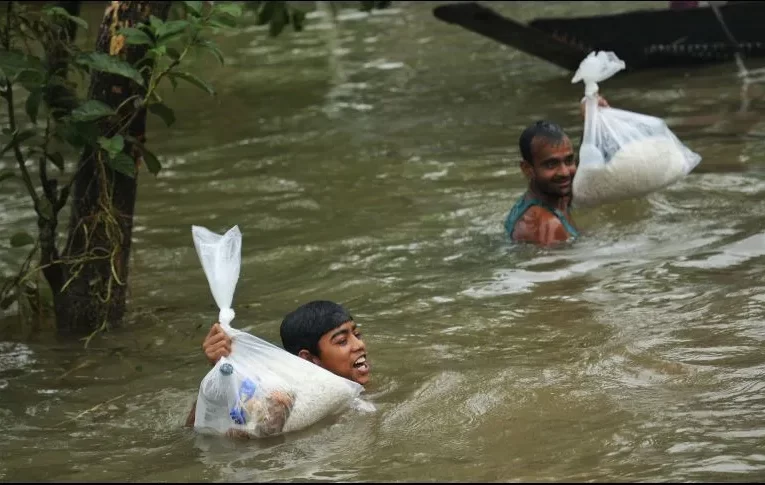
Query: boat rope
{"x": 743, "y": 72}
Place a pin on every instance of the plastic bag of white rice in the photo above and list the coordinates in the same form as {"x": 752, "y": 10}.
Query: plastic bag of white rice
{"x": 623, "y": 154}
{"x": 259, "y": 390}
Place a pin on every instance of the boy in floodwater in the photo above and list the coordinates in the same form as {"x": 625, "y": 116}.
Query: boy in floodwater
{"x": 542, "y": 215}
{"x": 321, "y": 332}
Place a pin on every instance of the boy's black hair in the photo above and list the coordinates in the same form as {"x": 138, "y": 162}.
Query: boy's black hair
{"x": 543, "y": 129}
{"x": 302, "y": 328}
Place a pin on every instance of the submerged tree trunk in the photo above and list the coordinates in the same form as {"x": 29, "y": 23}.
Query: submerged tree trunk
{"x": 90, "y": 286}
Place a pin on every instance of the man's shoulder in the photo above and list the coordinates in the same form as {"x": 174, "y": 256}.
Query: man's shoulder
{"x": 538, "y": 225}
{"x": 540, "y": 215}
{"x": 539, "y": 212}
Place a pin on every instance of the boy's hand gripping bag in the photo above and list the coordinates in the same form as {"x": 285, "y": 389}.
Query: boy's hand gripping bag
{"x": 259, "y": 389}
{"x": 623, "y": 154}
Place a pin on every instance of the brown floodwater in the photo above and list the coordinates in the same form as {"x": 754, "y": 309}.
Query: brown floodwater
{"x": 373, "y": 165}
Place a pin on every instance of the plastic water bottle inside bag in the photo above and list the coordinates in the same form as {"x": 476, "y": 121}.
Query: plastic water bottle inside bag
{"x": 623, "y": 154}
{"x": 260, "y": 389}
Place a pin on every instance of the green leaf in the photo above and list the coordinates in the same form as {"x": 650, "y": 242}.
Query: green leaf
{"x": 77, "y": 134}
{"x": 190, "y": 78}
{"x": 58, "y": 11}
{"x": 167, "y": 39}
{"x": 99, "y": 61}
{"x": 123, "y": 163}
{"x": 168, "y": 30}
{"x": 91, "y": 110}
{"x": 21, "y": 239}
{"x": 158, "y": 51}
{"x": 194, "y": 7}
{"x": 14, "y": 62}
{"x": 60, "y": 81}
{"x": 6, "y": 174}
{"x": 222, "y": 22}
{"x": 56, "y": 159}
{"x": 210, "y": 46}
{"x": 29, "y": 78}
{"x": 151, "y": 161}
{"x": 161, "y": 110}
{"x": 33, "y": 84}
{"x": 232, "y": 9}
{"x": 113, "y": 145}
{"x": 195, "y": 26}
{"x": 32, "y": 104}
{"x": 24, "y": 135}
{"x": 155, "y": 23}
{"x": 135, "y": 36}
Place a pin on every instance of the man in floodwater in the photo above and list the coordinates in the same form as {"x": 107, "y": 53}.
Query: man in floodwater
{"x": 542, "y": 214}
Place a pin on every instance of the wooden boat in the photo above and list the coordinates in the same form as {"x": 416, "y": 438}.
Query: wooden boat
{"x": 644, "y": 39}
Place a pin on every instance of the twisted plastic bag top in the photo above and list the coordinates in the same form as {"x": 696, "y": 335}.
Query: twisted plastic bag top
{"x": 221, "y": 257}
{"x": 595, "y": 68}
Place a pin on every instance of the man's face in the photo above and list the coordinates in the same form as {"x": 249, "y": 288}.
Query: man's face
{"x": 342, "y": 352}
{"x": 554, "y": 165}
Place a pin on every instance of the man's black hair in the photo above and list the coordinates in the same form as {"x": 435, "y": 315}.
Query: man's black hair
{"x": 302, "y": 328}
{"x": 543, "y": 129}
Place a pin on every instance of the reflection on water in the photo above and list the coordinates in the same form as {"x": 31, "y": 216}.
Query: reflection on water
{"x": 375, "y": 168}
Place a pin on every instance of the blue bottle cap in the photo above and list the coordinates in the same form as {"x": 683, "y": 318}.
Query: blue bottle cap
{"x": 226, "y": 369}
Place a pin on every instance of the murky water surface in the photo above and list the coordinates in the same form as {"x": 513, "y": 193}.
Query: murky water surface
{"x": 377, "y": 173}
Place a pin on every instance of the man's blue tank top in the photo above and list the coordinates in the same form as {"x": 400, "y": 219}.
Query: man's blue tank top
{"x": 523, "y": 204}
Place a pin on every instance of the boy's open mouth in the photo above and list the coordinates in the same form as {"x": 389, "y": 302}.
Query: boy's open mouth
{"x": 361, "y": 363}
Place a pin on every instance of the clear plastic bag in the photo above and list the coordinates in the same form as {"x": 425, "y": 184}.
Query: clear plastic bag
{"x": 260, "y": 389}
{"x": 623, "y": 154}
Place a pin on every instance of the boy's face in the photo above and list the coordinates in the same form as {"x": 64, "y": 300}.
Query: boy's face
{"x": 342, "y": 352}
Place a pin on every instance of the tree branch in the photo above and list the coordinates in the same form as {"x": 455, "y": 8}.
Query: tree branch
{"x": 48, "y": 186}
{"x": 8, "y": 95}
{"x": 49, "y": 255}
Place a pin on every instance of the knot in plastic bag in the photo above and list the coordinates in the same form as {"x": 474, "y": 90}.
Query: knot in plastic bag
{"x": 225, "y": 316}
{"x": 597, "y": 67}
